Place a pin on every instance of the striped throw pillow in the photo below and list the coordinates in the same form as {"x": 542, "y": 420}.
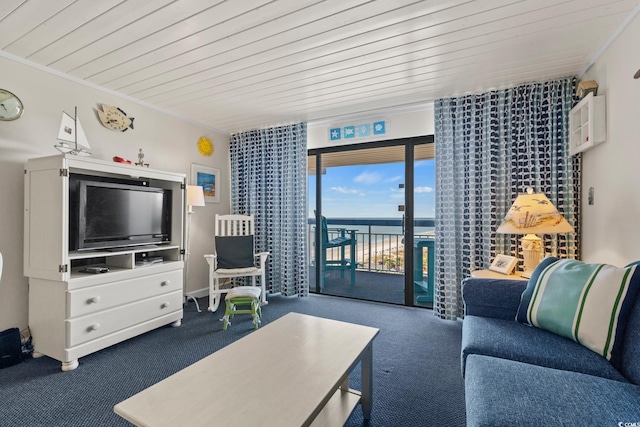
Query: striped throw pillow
{"x": 588, "y": 303}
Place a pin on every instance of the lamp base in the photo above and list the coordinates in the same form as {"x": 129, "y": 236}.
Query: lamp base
{"x": 531, "y": 249}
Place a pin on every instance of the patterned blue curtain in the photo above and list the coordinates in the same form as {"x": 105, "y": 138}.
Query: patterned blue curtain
{"x": 489, "y": 148}
{"x": 269, "y": 181}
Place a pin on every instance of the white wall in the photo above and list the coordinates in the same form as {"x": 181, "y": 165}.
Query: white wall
{"x": 400, "y": 124}
{"x": 168, "y": 143}
{"x": 611, "y": 226}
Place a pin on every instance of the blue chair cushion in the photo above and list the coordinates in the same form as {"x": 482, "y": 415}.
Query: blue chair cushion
{"x": 508, "y": 339}
{"x": 234, "y": 252}
{"x": 503, "y": 392}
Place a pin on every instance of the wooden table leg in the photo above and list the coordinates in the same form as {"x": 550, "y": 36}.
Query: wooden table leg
{"x": 367, "y": 383}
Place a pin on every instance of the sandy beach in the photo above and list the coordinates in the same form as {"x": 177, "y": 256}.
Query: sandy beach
{"x": 391, "y": 246}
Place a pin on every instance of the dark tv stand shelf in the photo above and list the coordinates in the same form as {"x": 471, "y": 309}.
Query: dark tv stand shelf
{"x": 123, "y": 251}
{"x": 73, "y": 313}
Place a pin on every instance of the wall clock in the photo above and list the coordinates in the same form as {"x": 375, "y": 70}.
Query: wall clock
{"x": 10, "y": 106}
{"x": 114, "y": 118}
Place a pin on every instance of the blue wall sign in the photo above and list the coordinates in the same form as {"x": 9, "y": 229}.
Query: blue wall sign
{"x": 362, "y": 130}
{"x": 379, "y": 128}
{"x": 349, "y": 132}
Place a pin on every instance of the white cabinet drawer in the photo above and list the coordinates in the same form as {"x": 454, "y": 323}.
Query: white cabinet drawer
{"x": 95, "y": 298}
{"x": 87, "y": 328}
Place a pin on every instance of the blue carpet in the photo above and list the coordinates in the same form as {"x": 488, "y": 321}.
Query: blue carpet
{"x": 416, "y": 363}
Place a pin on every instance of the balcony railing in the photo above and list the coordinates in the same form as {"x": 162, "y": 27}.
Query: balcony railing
{"x": 379, "y": 242}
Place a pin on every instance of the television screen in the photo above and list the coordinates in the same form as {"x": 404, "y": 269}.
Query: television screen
{"x": 111, "y": 215}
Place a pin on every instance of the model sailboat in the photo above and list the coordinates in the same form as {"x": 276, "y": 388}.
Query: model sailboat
{"x": 71, "y": 136}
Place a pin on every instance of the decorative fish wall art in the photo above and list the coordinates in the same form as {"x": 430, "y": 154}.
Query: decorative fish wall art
{"x": 114, "y": 118}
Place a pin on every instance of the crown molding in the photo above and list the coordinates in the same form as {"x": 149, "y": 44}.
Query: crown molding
{"x": 79, "y": 81}
{"x": 610, "y": 40}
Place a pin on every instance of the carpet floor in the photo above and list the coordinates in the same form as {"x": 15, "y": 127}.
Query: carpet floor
{"x": 416, "y": 366}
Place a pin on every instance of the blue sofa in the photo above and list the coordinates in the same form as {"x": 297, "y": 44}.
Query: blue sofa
{"x": 519, "y": 375}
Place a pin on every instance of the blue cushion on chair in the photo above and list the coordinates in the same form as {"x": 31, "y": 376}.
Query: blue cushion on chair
{"x": 235, "y": 252}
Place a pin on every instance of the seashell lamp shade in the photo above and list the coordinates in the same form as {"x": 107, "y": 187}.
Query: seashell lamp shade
{"x": 531, "y": 214}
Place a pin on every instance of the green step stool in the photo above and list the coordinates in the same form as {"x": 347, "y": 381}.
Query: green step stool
{"x": 245, "y": 296}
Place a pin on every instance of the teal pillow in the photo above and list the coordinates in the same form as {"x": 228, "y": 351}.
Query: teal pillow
{"x": 588, "y": 303}
{"x": 525, "y": 298}
{"x": 235, "y": 252}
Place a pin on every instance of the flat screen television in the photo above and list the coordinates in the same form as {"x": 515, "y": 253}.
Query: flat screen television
{"x": 108, "y": 215}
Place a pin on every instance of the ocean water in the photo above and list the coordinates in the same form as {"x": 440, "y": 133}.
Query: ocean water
{"x": 380, "y": 232}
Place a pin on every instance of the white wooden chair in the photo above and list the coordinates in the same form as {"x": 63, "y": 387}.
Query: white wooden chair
{"x": 232, "y": 259}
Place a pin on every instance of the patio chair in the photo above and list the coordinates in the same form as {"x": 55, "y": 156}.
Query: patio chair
{"x": 342, "y": 241}
{"x": 424, "y": 284}
{"x": 235, "y": 258}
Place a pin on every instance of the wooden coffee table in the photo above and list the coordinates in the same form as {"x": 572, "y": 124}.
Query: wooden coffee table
{"x": 291, "y": 372}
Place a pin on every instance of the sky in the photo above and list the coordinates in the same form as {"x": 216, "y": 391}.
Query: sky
{"x": 371, "y": 191}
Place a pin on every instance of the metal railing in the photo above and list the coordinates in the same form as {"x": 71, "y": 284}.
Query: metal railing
{"x": 375, "y": 251}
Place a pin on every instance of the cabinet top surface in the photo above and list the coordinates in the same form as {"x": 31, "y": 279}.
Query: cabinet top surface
{"x": 92, "y": 163}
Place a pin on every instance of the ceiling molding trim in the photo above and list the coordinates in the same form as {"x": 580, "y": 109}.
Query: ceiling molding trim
{"x": 60, "y": 74}
{"x": 610, "y": 40}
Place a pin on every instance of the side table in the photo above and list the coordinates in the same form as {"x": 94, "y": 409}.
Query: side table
{"x": 489, "y": 274}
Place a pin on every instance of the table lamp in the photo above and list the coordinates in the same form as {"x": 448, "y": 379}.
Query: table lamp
{"x": 531, "y": 214}
{"x": 195, "y": 196}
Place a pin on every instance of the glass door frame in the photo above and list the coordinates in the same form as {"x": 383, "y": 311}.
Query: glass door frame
{"x": 409, "y": 214}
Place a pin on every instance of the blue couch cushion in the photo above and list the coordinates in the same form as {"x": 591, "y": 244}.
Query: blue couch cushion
{"x": 506, "y": 393}
{"x": 630, "y": 360}
{"x": 508, "y": 339}
{"x": 497, "y": 298}
{"x": 588, "y": 303}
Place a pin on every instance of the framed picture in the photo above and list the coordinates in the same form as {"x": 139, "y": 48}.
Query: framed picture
{"x": 209, "y": 179}
{"x": 503, "y": 264}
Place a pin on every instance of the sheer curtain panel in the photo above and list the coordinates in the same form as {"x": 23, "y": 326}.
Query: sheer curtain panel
{"x": 269, "y": 181}
{"x": 489, "y": 148}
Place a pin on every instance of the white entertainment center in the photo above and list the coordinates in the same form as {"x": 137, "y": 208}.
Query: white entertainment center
{"x": 72, "y": 312}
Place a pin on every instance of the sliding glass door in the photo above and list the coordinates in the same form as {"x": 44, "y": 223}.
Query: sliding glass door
{"x": 365, "y": 242}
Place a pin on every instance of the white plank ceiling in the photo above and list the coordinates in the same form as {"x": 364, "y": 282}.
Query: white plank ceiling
{"x": 240, "y": 64}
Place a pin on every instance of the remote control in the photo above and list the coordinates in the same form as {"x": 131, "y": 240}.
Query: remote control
{"x": 96, "y": 270}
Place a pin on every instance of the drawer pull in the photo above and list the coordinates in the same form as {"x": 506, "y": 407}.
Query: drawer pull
{"x": 164, "y": 305}
{"x": 93, "y": 327}
{"x": 93, "y": 300}
{"x": 165, "y": 283}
